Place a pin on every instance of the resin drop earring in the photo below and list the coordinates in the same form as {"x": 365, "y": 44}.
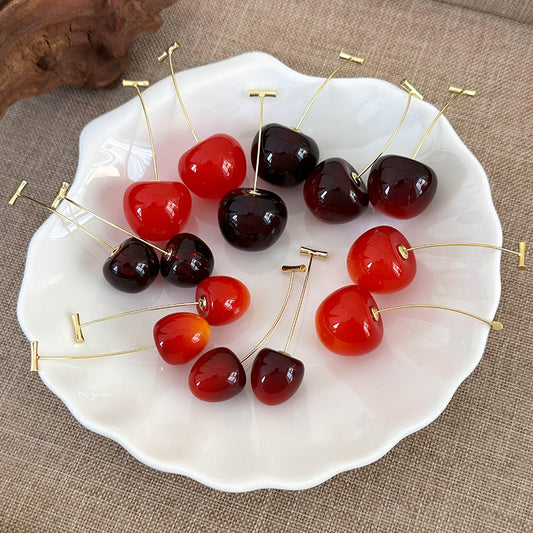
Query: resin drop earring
{"x": 252, "y": 219}
{"x": 402, "y": 187}
{"x": 214, "y": 166}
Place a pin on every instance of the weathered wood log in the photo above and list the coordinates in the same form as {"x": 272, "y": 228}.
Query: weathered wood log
{"x": 49, "y": 43}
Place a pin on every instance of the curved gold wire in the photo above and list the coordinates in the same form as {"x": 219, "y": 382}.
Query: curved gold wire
{"x": 457, "y": 92}
{"x": 293, "y": 270}
{"x": 137, "y": 84}
{"x": 162, "y": 57}
{"x": 411, "y": 92}
{"x": 404, "y": 252}
{"x": 347, "y": 59}
{"x": 492, "y": 323}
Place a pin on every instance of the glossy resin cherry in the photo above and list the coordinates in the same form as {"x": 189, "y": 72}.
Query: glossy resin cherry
{"x": 132, "y": 267}
{"x": 401, "y": 187}
{"x": 217, "y": 375}
{"x": 190, "y": 260}
{"x": 213, "y": 167}
{"x": 179, "y": 337}
{"x": 225, "y": 299}
{"x": 376, "y": 263}
{"x": 286, "y": 157}
{"x": 252, "y": 219}
{"x": 276, "y": 376}
{"x": 334, "y": 193}
{"x": 345, "y": 323}
{"x": 157, "y": 210}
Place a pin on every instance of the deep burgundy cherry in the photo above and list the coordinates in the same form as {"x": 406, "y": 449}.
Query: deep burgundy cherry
{"x": 157, "y": 210}
{"x": 213, "y": 167}
{"x": 276, "y": 376}
{"x": 217, "y": 375}
{"x": 287, "y": 156}
{"x": 180, "y": 337}
{"x": 345, "y": 324}
{"x": 374, "y": 260}
{"x": 334, "y": 193}
{"x": 401, "y": 187}
{"x": 252, "y": 219}
{"x": 226, "y": 299}
{"x": 190, "y": 262}
{"x": 133, "y": 267}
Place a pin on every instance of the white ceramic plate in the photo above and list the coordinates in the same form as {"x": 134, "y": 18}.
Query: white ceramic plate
{"x": 349, "y": 411}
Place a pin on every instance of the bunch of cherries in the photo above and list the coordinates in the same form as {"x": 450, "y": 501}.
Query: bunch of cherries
{"x": 253, "y": 219}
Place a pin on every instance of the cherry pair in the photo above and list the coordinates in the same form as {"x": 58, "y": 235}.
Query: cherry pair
{"x": 275, "y": 375}
{"x": 133, "y": 265}
{"x": 179, "y": 337}
{"x": 381, "y": 260}
{"x": 156, "y": 210}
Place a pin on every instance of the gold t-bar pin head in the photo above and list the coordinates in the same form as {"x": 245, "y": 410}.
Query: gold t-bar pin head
{"x": 34, "y": 356}
{"x": 313, "y": 253}
{"x": 61, "y": 195}
{"x": 168, "y": 52}
{"x": 18, "y": 192}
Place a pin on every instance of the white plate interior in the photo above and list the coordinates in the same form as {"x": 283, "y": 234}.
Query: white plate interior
{"x": 349, "y": 411}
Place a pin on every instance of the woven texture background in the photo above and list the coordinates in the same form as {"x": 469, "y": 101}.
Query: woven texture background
{"x": 471, "y": 469}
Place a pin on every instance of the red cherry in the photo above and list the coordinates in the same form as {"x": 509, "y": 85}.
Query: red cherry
{"x": 157, "y": 210}
{"x": 375, "y": 263}
{"x": 401, "y": 187}
{"x": 226, "y": 299}
{"x": 179, "y": 337}
{"x": 345, "y": 323}
{"x": 213, "y": 167}
{"x": 275, "y": 376}
{"x": 217, "y": 375}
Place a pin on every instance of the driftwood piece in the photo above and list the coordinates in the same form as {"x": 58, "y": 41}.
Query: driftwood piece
{"x": 49, "y": 43}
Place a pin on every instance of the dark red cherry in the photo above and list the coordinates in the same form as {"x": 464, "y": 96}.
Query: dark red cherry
{"x": 226, "y": 299}
{"x": 133, "y": 267}
{"x": 401, "y": 187}
{"x": 217, "y": 375}
{"x": 252, "y": 219}
{"x": 374, "y": 260}
{"x": 190, "y": 261}
{"x": 276, "y": 376}
{"x": 334, "y": 193}
{"x": 157, "y": 210}
{"x": 180, "y": 337}
{"x": 213, "y": 167}
{"x": 287, "y": 156}
{"x": 345, "y": 324}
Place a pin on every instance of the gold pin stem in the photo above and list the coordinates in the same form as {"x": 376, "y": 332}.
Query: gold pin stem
{"x": 137, "y": 84}
{"x": 35, "y": 357}
{"x": 162, "y": 57}
{"x": 76, "y": 204}
{"x": 292, "y": 270}
{"x": 347, "y": 59}
{"x": 312, "y": 254}
{"x": 20, "y": 195}
{"x": 411, "y": 92}
{"x": 457, "y": 92}
{"x": 492, "y": 323}
{"x": 404, "y": 252}
{"x": 261, "y": 94}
